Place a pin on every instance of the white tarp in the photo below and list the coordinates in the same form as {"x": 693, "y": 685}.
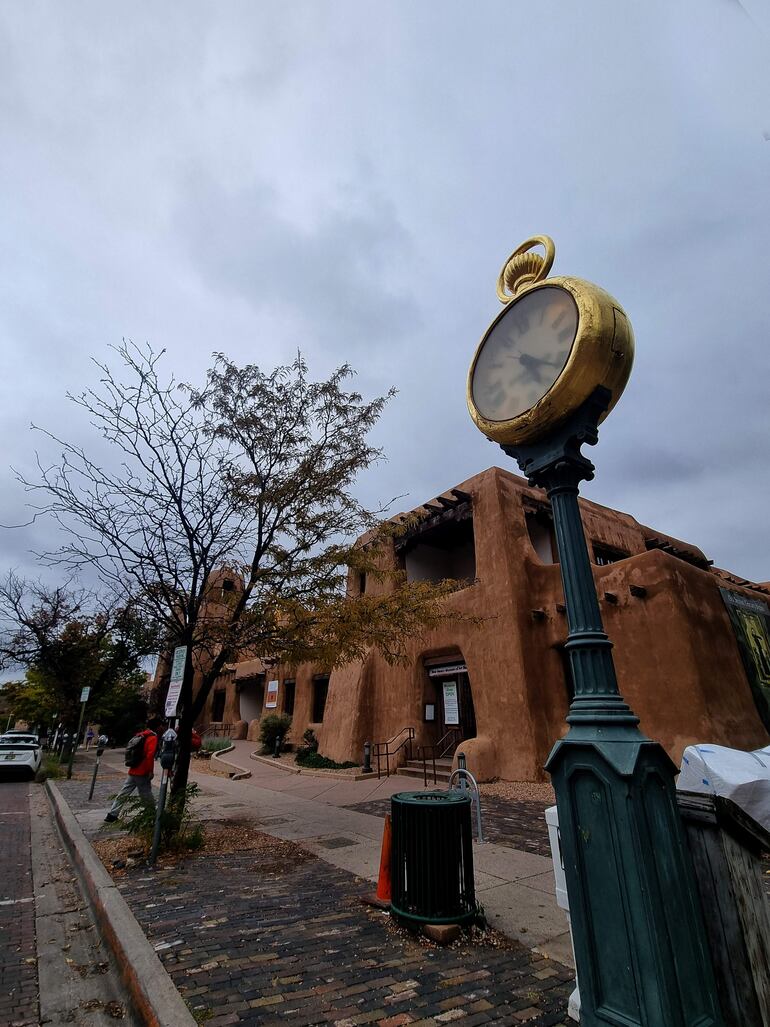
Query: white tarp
{"x": 743, "y": 777}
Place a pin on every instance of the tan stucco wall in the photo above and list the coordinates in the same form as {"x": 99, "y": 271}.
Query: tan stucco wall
{"x": 676, "y": 656}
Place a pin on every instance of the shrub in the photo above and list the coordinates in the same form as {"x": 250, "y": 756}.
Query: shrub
{"x": 310, "y": 743}
{"x": 177, "y": 829}
{"x": 50, "y": 767}
{"x": 273, "y": 726}
{"x": 311, "y": 758}
{"x": 215, "y": 744}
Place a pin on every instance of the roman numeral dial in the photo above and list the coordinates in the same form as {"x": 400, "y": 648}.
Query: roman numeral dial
{"x": 524, "y": 352}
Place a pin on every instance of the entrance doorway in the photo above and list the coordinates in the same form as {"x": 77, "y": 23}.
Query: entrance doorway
{"x": 448, "y": 706}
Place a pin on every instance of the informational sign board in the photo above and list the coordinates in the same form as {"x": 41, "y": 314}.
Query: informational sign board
{"x": 451, "y": 708}
{"x": 85, "y": 693}
{"x": 272, "y": 695}
{"x": 175, "y": 684}
{"x": 430, "y": 711}
{"x": 447, "y": 669}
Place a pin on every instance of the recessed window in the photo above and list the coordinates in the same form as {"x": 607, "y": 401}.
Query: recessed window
{"x": 361, "y": 583}
{"x": 218, "y": 706}
{"x": 320, "y": 692}
{"x": 540, "y": 531}
{"x": 606, "y": 554}
{"x": 289, "y": 688}
{"x": 445, "y": 551}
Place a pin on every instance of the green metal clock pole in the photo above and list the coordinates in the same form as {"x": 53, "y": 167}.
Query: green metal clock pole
{"x": 637, "y": 925}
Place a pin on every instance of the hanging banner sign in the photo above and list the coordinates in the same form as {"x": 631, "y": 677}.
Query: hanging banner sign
{"x": 85, "y": 693}
{"x": 442, "y": 672}
{"x": 175, "y": 684}
{"x": 451, "y": 709}
{"x": 272, "y": 695}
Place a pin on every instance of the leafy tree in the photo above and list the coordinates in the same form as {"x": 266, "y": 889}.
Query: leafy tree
{"x": 67, "y": 640}
{"x": 254, "y": 471}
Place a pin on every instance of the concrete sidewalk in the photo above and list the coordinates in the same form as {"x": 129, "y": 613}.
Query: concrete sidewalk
{"x": 516, "y": 888}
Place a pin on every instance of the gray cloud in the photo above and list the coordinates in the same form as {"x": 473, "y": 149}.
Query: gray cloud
{"x": 348, "y": 178}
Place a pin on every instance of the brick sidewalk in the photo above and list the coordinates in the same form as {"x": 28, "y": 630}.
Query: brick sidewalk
{"x": 18, "y": 955}
{"x": 249, "y": 938}
{"x": 264, "y": 942}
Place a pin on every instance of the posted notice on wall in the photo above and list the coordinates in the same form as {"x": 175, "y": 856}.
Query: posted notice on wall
{"x": 175, "y": 684}
{"x": 272, "y": 695}
{"x": 451, "y": 708}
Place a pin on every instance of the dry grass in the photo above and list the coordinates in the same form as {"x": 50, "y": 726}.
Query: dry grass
{"x": 521, "y": 791}
{"x": 119, "y": 853}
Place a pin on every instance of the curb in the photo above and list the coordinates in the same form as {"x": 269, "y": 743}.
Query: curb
{"x": 240, "y": 774}
{"x": 276, "y": 765}
{"x": 151, "y": 989}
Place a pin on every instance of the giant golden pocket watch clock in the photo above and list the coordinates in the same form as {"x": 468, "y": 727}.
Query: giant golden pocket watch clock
{"x": 555, "y": 342}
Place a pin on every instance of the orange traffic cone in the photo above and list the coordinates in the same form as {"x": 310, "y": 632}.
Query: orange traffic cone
{"x": 383, "y": 882}
{"x": 382, "y": 897}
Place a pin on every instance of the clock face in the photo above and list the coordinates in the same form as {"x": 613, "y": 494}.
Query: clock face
{"x": 524, "y": 353}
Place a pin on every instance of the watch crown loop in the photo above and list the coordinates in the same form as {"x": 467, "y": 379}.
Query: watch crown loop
{"x": 524, "y": 268}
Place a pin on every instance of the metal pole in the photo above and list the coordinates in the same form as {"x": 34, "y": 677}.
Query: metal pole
{"x": 99, "y": 752}
{"x": 159, "y": 809}
{"x": 75, "y": 741}
{"x": 640, "y": 944}
{"x": 367, "y": 768}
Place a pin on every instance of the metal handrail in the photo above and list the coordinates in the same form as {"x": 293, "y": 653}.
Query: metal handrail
{"x": 446, "y": 744}
{"x": 462, "y": 773}
{"x": 216, "y": 730}
{"x": 383, "y": 749}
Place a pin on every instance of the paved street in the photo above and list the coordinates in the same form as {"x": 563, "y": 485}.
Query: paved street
{"x": 54, "y": 967}
{"x": 18, "y": 963}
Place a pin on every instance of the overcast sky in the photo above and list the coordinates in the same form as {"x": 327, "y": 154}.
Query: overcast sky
{"x": 347, "y": 177}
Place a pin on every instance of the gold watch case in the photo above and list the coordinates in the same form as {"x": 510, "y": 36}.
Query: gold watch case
{"x": 601, "y": 354}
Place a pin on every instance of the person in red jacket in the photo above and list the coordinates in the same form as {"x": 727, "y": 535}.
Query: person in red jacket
{"x": 140, "y": 773}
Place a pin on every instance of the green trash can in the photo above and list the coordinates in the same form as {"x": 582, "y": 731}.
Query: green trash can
{"x": 432, "y": 858}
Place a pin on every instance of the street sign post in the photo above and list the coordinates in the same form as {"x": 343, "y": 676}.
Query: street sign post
{"x": 84, "y": 697}
{"x": 176, "y": 680}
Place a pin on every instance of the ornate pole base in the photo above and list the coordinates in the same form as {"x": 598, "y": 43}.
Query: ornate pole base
{"x": 637, "y": 925}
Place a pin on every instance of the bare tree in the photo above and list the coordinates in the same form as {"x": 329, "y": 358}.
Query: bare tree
{"x": 254, "y": 471}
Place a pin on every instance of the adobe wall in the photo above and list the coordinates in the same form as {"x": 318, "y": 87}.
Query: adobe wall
{"x": 676, "y": 656}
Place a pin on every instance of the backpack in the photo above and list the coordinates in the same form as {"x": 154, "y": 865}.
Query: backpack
{"x": 195, "y": 741}
{"x": 135, "y": 751}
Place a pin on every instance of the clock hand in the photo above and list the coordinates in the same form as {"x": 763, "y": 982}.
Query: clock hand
{"x": 530, "y": 362}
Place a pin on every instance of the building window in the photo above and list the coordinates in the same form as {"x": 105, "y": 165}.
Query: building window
{"x": 444, "y": 551}
{"x": 218, "y": 706}
{"x": 320, "y": 691}
{"x": 540, "y": 531}
{"x": 289, "y": 688}
{"x": 606, "y": 554}
{"x": 361, "y": 583}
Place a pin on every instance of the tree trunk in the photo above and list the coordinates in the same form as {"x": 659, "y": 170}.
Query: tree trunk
{"x": 184, "y": 742}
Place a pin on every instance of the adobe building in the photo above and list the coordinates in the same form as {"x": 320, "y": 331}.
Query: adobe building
{"x": 692, "y": 642}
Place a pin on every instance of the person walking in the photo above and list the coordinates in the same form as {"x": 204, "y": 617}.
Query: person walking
{"x": 89, "y": 737}
{"x": 140, "y": 760}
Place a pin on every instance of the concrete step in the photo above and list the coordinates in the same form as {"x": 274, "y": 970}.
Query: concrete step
{"x": 442, "y": 774}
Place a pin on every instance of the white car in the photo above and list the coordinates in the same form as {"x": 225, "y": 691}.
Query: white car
{"x": 20, "y": 754}
{"x": 20, "y": 736}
